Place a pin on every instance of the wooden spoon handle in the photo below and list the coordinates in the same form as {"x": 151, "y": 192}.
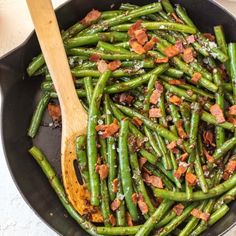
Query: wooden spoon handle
{"x": 50, "y": 41}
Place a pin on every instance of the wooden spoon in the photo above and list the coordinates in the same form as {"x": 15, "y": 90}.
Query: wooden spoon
{"x": 74, "y": 117}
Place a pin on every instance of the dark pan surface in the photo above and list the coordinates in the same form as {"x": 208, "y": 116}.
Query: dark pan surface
{"x": 21, "y": 95}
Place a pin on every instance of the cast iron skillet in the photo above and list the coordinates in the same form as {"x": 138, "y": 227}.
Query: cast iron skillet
{"x": 20, "y": 95}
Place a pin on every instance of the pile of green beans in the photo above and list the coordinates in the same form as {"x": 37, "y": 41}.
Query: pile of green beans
{"x": 141, "y": 151}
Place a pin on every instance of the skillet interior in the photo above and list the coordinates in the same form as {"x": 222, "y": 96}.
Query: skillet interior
{"x": 20, "y": 98}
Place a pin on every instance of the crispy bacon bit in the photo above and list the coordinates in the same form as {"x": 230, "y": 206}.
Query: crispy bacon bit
{"x": 209, "y": 158}
{"x": 232, "y": 120}
{"x": 54, "y": 112}
{"x": 232, "y": 110}
{"x": 155, "y": 113}
{"x": 153, "y": 180}
{"x": 209, "y": 36}
{"x": 114, "y": 65}
{"x": 217, "y": 112}
{"x": 135, "y": 143}
{"x": 102, "y": 66}
{"x": 137, "y": 25}
{"x": 142, "y": 161}
{"x": 112, "y": 219}
{"x": 161, "y": 60}
{"x": 155, "y": 96}
{"x": 134, "y": 198}
{"x": 136, "y": 121}
{"x": 115, "y": 204}
{"x": 171, "y": 145}
{"x": 141, "y": 36}
{"x": 190, "y": 39}
{"x": 150, "y": 44}
{"x": 178, "y": 209}
{"x": 188, "y": 55}
{"x": 175, "y": 100}
{"x": 176, "y": 82}
{"x": 231, "y": 166}
{"x": 183, "y": 157}
{"x": 115, "y": 184}
{"x": 200, "y": 215}
{"x": 196, "y": 77}
{"x": 180, "y": 171}
{"x": 159, "y": 86}
{"x": 176, "y": 18}
{"x": 95, "y": 57}
{"x": 126, "y": 98}
{"x": 171, "y": 51}
{"x": 208, "y": 137}
{"x": 108, "y": 130}
{"x": 179, "y": 125}
{"x": 180, "y": 46}
{"x": 142, "y": 205}
{"x": 138, "y": 48}
{"x": 102, "y": 170}
{"x": 191, "y": 178}
{"x": 129, "y": 219}
{"x": 91, "y": 17}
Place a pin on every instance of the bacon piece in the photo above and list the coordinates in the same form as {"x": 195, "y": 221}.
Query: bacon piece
{"x": 180, "y": 171}
{"x": 136, "y": 121}
{"x": 137, "y": 25}
{"x": 115, "y": 184}
{"x": 138, "y": 48}
{"x": 54, "y": 112}
{"x": 153, "y": 180}
{"x": 171, "y": 51}
{"x": 175, "y": 100}
{"x": 135, "y": 198}
{"x": 180, "y": 46}
{"x": 141, "y": 36}
{"x": 232, "y": 110}
{"x": 129, "y": 219}
{"x": 196, "y": 77}
{"x": 126, "y": 98}
{"x": 114, "y": 65}
{"x": 176, "y": 82}
{"x": 91, "y": 17}
{"x": 183, "y": 157}
{"x": 191, "y": 178}
{"x": 112, "y": 219}
{"x": 232, "y": 120}
{"x": 142, "y": 161}
{"x": 155, "y": 113}
{"x": 142, "y": 205}
{"x": 190, "y": 39}
{"x": 208, "y": 137}
{"x": 178, "y": 209}
{"x": 217, "y": 112}
{"x": 155, "y": 96}
{"x": 150, "y": 44}
{"x": 188, "y": 55}
{"x": 115, "y": 204}
{"x": 231, "y": 166}
{"x": 171, "y": 145}
{"x": 108, "y": 130}
{"x": 159, "y": 87}
{"x": 200, "y": 215}
{"x": 176, "y": 18}
{"x": 209, "y": 36}
{"x": 161, "y": 60}
{"x": 209, "y": 158}
{"x": 179, "y": 125}
{"x": 102, "y": 66}
{"x": 102, "y": 170}
{"x": 95, "y": 57}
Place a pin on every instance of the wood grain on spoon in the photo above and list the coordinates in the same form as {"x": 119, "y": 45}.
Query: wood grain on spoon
{"x": 74, "y": 117}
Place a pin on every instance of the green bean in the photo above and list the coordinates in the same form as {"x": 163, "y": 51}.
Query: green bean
{"x": 149, "y": 156}
{"x": 155, "y": 218}
{"x": 80, "y": 92}
{"x": 48, "y": 85}
{"x": 134, "y": 83}
{"x": 42, "y": 71}
{"x": 106, "y": 56}
{"x": 205, "y": 73}
{"x": 167, "y": 6}
{"x": 229, "y": 97}
{"x": 57, "y": 187}
{"x": 158, "y": 26}
{"x": 35, "y": 65}
{"x": 139, "y": 182}
{"x": 174, "y": 73}
{"x": 198, "y": 195}
{"x": 123, "y": 45}
{"x": 111, "y": 48}
{"x": 88, "y": 88}
{"x": 226, "y": 146}
{"x": 220, "y": 38}
{"x": 232, "y": 56}
{"x": 82, "y": 159}
{"x": 91, "y": 137}
{"x": 186, "y": 114}
{"x": 38, "y": 114}
{"x": 177, "y": 220}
